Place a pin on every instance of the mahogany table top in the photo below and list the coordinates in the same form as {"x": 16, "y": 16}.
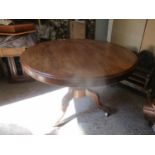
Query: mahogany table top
{"x": 77, "y": 62}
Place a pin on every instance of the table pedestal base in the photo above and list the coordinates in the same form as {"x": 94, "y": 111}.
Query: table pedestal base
{"x": 77, "y": 93}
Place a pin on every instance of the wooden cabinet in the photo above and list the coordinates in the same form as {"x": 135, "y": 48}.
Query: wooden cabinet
{"x": 77, "y": 30}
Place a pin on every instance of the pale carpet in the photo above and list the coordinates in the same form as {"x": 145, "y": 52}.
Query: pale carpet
{"x": 33, "y": 108}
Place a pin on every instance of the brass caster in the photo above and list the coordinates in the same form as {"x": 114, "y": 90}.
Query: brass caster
{"x": 106, "y": 114}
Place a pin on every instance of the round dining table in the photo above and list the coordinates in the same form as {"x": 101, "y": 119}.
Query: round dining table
{"x": 79, "y": 65}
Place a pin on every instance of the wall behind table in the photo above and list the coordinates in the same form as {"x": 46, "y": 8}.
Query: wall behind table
{"x": 101, "y": 29}
{"x": 148, "y": 41}
{"x": 128, "y": 32}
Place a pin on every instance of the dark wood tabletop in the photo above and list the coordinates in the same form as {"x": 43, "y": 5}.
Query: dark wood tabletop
{"x": 78, "y": 62}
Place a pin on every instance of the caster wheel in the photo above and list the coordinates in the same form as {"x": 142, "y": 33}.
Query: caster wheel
{"x": 153, "y": 128}
{"x": 106, "y": 114}
{"x": 150, "y": 123}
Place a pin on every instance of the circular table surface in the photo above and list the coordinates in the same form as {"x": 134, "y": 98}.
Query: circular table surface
{"x": 77, "y": 62}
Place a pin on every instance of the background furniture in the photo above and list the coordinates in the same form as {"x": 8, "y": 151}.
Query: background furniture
{"x": 78, "y": 64}
{"x": 11, "y": 55}
{"x": 12, "y": 63}
{"x": 77, "y": 29}
{"x": 139, "y": 35}
{"x": 142, "y": 74}
{"x": 149, "y": 113}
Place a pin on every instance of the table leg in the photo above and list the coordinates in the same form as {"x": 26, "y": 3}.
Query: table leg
{"x": 66, "y": 99}
{"x": 96, "y": 99}
{"x": 77, "y": 93}
{"x": 65, "y": 102}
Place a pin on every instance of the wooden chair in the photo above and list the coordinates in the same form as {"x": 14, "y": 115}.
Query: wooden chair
{"x": 142, "y": 74}
{"x": 143, "y": 79}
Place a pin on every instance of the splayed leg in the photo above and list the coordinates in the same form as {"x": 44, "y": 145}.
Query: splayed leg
{"x": 77, "y": 93}
{"x": 96, "y": 99}
{"x": 65, "y": 103}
